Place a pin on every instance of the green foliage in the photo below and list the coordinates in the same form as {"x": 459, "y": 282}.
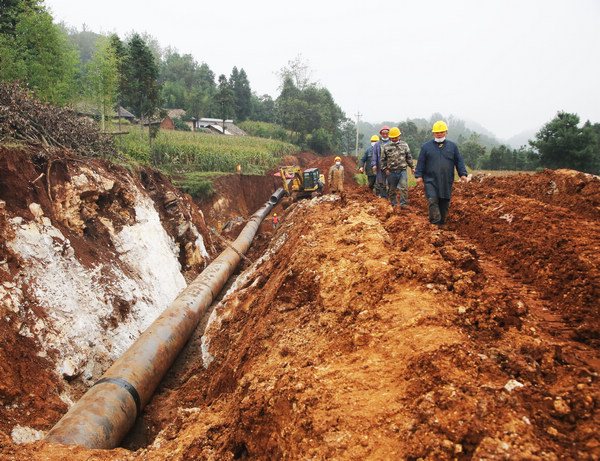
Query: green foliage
{"x": 506, "y": 159}
{"x": 35, "y": 51}
{"x": 187, "y": 85}
{"x": 263, "y": 108}
{"x": 472, "y": 151}
{"x": 320, "y": 141}
{"x": 86, "y": 42}
{"x": 304, "y": 108}
{"x": 194, "y": 183}
{"x": 142, "y": 91}
{"x": 414, "y": 136}
{"x": 304, "y": 111}
{"x": 225, "y": 99}
{"x": 181, "y": 125}
{"x": 264, "y": 130}
{"x": 561, "y": 143}
{"x": 206, "y": 152}
{"x": 361, "y": 179}
{"x": 347, "y": 138}
{"x": 242, "y": 94}
{"x": 103, "y": 80}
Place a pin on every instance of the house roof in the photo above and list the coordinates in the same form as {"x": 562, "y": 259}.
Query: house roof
{"x": 218, "y": 128}
{"x": 125, "y": 113}
{"x": 217, "y": 125}
{"x": 175, "y": 113}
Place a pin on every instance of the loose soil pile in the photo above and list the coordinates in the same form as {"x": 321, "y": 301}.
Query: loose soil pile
{"x": 367, "y": 333}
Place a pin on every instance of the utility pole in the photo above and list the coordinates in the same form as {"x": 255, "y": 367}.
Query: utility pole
{"x": 358, "y": 114}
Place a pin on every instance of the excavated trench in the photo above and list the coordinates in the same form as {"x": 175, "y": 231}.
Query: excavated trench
{"x": 362, "y": 332}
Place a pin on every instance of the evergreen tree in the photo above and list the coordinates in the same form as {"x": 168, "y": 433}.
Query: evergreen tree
{"x": 225, "y": 99}
{"x": 241, "y": 93}
{"x": 142, "y": 91}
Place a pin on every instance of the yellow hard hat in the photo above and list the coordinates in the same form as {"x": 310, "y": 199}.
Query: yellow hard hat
{"x": 439, "y": 126}
{"x": 274, "y": 214}
{"x": 338, "y": 158}
{"x": 374, "y": 138}
{"x": 394, "y": 132}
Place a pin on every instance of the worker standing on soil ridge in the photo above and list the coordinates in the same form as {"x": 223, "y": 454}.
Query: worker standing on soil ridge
{"x": 275, "y": 220}
{"x": 395, "y": 159}
{"x": 365, "y": 163}
{"x": 435, "y": 170}
{"x": 380, "y": 185}
{"x": 336, "y": 176}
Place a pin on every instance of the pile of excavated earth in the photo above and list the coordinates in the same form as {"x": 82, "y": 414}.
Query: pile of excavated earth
{"x": 353, "y": 331}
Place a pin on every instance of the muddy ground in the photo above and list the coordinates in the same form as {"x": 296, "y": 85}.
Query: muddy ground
{"x": 367, "y": 333}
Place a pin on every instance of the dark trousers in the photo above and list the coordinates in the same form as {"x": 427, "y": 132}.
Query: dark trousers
{"x": 438, "y": 210}
{"x": 371, "y": 182}
{"x": 381, "y": 187}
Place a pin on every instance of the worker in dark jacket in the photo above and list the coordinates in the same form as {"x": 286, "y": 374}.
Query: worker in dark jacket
{"x": 395, "y": 159}
{"x": 365, "y": 163}
{"x": 435, "y": 170}
{"x": 381, "y": 182}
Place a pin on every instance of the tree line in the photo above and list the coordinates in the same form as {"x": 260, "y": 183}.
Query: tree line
{"x": 68, "y": 66}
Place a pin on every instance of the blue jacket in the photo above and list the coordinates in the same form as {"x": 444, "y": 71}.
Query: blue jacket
{"x": 366, "y": 161}
{"x": 436, "y": 165}
{"x": 376, "y": 159}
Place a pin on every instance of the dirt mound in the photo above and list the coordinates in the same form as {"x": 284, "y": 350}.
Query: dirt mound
{"x": 366, "y": 333}
{"x": 370, "y": 334}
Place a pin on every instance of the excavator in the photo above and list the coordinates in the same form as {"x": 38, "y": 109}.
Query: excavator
{"x": 299, "y": 184}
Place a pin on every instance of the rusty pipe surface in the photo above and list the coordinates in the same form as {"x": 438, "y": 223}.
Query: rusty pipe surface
{"x": 108, "y": 410}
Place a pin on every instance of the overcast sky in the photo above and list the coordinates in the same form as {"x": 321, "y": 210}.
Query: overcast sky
{"x": 509, "y": 65}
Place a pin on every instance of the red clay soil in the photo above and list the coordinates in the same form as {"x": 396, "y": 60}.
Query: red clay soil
{"x": 370, "y": 334}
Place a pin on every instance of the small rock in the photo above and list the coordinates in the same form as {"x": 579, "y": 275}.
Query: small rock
{"x": 512, "y": 385}
{"x": 561, "y": 406}
{"x": 36, "y": 211}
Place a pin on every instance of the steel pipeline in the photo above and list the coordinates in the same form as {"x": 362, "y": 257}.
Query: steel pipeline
{"x": 104, "y": 415}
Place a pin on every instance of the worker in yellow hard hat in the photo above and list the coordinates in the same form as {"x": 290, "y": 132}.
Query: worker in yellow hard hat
{"x": 336, "y": 176}
{"x": 381, "y": 180}
{"x": 435, "y": 170}
{"x": 365, "y": 163}
{"x": 395, "y": 159}
{"x": 275, "y": 220}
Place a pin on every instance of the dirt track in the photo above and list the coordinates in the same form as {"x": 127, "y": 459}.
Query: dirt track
{"x": 370, "y": 334}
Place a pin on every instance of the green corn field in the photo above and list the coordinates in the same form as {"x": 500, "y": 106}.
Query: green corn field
{"x": 194, "y": 151}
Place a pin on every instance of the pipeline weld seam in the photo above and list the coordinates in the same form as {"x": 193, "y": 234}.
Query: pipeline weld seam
{"x": 128, "y": 387}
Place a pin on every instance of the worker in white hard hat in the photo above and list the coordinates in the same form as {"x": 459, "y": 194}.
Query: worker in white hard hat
{"x": 435, "y": 170}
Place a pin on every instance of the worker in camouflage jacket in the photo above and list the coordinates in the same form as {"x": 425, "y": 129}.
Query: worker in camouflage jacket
{"x": 395, "y": 159}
